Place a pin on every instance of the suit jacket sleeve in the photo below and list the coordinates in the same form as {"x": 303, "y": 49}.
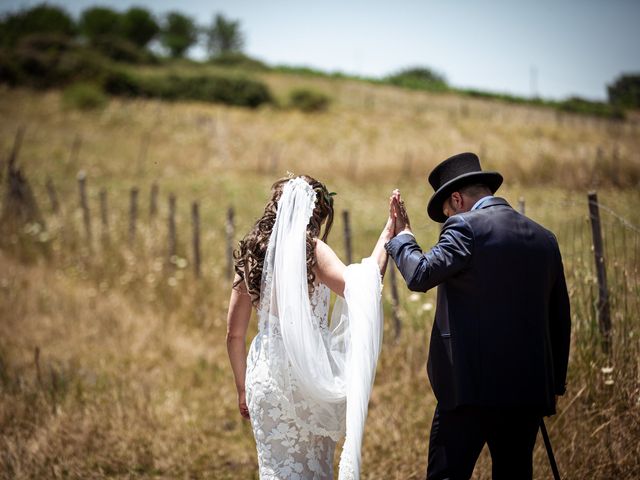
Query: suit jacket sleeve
{"x": 560, "y": 326}
{"x": 451, "y": 254}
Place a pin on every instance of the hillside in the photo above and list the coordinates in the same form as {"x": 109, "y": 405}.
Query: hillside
{"x": 112, "y": 366}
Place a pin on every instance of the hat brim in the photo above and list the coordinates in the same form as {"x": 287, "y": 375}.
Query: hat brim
{"x": 493, "y": 180}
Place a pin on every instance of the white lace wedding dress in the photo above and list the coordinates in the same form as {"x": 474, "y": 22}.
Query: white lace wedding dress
{"x": 289, "y": 440}
{"x": 307, "y": 382}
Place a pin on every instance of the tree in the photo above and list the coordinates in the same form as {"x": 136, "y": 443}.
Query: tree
{"x": 139, "y": 26}
{"x": 625, "y": 91}
{"x": 97, "y": 22}
{"x": 178, "y": 34}
{"x": 224, "y": 36}
{"x": 40, "y": 19}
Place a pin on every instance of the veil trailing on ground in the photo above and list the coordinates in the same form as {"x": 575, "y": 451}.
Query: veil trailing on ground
{"x": 334, "y": 369}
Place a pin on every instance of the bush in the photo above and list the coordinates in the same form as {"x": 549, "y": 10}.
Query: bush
{"x": 121, "y": 50}
{"x": 231, "y": 90}
{"x": 308, "y": 100}
{"x": 120, "y": 82}
{"x": 34, "y": 60}
{"x": 418, "y": 78}
{"x": 84, "y": 96}
{"x": 583, "y": 106}
{"x": 10, "y": 72}
{"x": 49, "y": 42}
{"x": 47, "y": 61}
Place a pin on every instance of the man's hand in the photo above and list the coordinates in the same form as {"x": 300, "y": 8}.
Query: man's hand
{"x": 399, "y": 212}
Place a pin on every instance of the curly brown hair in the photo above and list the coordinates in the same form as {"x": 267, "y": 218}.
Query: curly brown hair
{"x": 249, "y": 256}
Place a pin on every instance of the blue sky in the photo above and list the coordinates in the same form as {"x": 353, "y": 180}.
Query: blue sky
{"x": 575, "y": 47}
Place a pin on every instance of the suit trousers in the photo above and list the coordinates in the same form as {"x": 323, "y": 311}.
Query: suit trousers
{"x": 458, "y": 436}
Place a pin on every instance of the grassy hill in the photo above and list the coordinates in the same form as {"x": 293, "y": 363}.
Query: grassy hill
{"x": 114, "y": 366}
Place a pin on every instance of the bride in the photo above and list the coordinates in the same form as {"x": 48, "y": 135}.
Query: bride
{"x": 304, "y": 383}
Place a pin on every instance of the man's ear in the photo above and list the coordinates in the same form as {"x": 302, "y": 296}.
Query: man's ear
{"x": 457, "y": 200}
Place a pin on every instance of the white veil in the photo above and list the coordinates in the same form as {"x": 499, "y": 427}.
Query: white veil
{"x": 334, "y": 370}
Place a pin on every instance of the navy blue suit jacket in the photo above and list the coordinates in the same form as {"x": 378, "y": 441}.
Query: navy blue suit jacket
{"x": 502, "y": 324}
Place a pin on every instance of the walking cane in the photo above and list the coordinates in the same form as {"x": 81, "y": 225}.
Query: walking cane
{"x": 547, "y": 444}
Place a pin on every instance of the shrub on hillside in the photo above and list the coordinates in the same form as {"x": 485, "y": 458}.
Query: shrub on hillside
{"x": 47, "y": 42}
{"x": 120, "y": 82}
{"x": 231, "y": 90}
{"x": 583, "y": 106}
{"x": 10, "y": 73}
{"x": 418, "y": 78}
{"x": 121, "y": 50}
{"x": 308, "y": 100}
{"x": 84, "y": 96}
{"x": 34, "y": 55}
{"x": 44, "y": 61}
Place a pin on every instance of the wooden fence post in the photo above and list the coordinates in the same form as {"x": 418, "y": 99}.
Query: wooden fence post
{"x": 604, "y": 314}
{"x": 133, "y": 214}
{"x": 84, "y": 205}
{"x": 395, "y": 303}
{"x": 153, "y": 203}
{"x": 195, "y": 220}
{"x": 230, "y": 229}
{"x": 172, "y": 227}
{"x": 104, "y": 217}
{"x": 521, "y": 205}
{"x": 53, "y": 197}
{"x": 75, "y": 149}
{"x": 20, "y": 205}
{"x": 347, "y": 235}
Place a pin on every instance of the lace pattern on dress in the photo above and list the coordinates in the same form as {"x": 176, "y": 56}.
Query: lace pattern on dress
{"x": 291, "y": 435}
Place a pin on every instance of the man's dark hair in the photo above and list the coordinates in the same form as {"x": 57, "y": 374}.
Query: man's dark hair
{"x": 475, "y": 189}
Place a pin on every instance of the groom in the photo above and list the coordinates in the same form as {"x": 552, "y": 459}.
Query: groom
{"x": 500, "y": 342}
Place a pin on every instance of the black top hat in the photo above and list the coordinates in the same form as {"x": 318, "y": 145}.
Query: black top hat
{"x": 456, "y": 172}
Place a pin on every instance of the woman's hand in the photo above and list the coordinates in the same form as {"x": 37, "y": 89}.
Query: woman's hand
{"x": 389, "y": 230}
{"x": 242, "y": 405}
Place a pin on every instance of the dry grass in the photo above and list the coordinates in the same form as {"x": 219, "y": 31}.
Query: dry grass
{"x": 132, "y": 379}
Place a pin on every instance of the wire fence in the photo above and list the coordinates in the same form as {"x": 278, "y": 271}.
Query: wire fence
{"x": 600, "y": 250}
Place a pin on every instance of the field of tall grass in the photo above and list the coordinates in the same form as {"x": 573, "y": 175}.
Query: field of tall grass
{"x": 113, "y": 363}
